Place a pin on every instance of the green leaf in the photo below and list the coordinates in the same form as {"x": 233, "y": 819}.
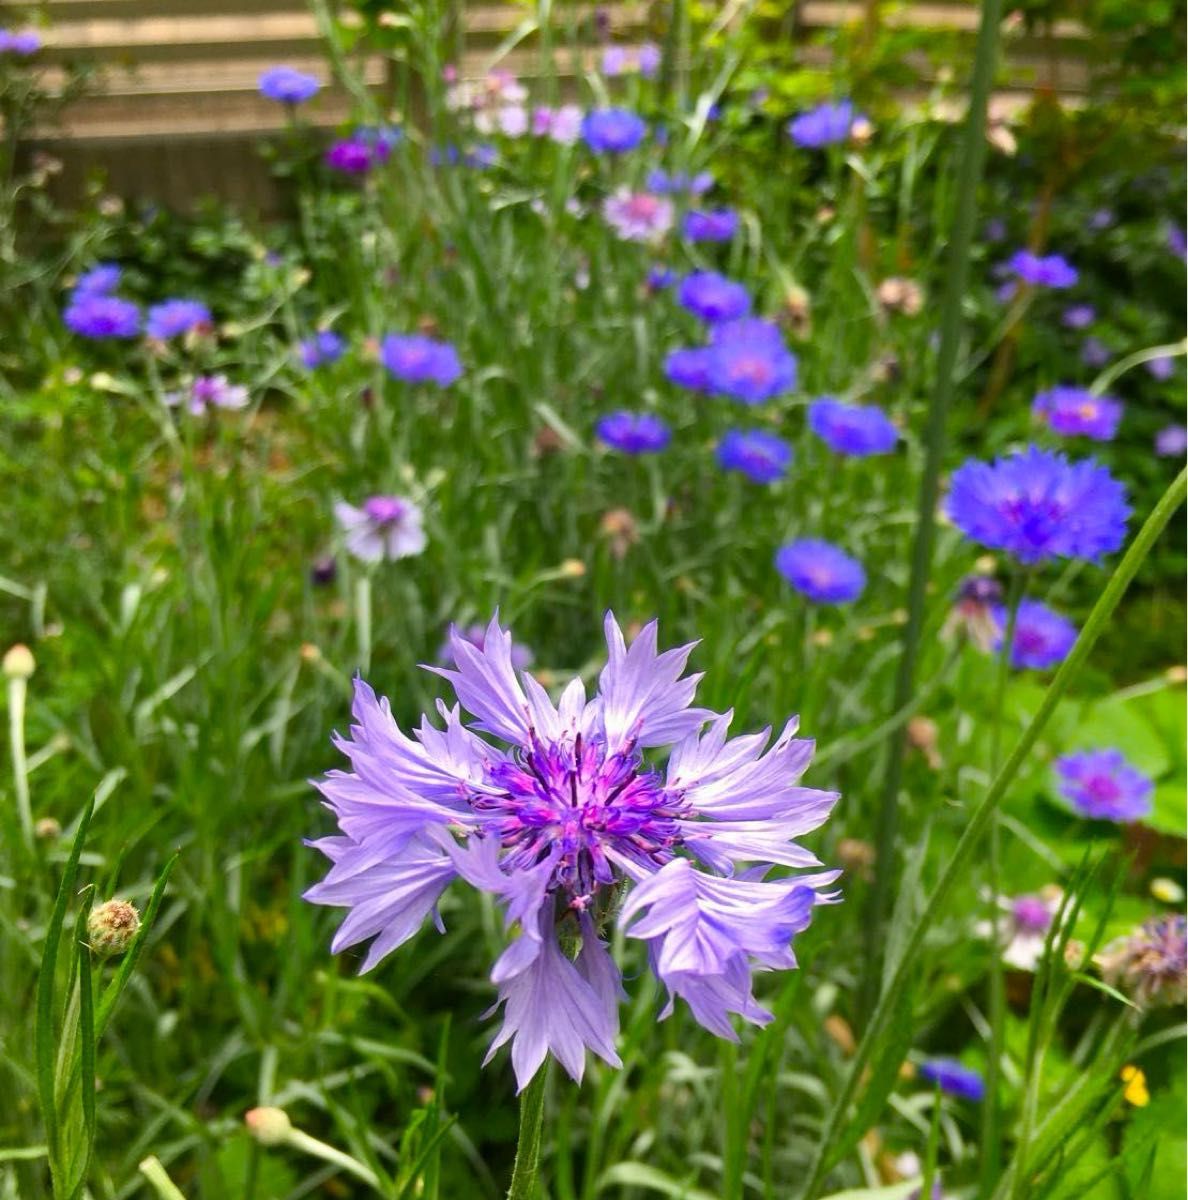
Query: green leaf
{"x": 640, "y": 1175}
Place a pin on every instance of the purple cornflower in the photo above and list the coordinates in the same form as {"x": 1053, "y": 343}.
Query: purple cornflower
{"x": 633, "y": 433}
{"x": 688, "y": 367}
{"x": 1095, "y": 353}
{"x": 1176, "y": 242}
{"x": 1171, "y": 441}
{"x": 355, "y": 155}
{"x": 1078, "y": 316}
{"x": 614, "y": 61}
{"x": 750, "y": 370}
{"x": 562, "y": 125}
{"x": 613, "y": 130}
{"x": 385, "y": 527}
{"x": 660, "y": 277}
{"x": 759, "y": 456}
{"x": 288, "y": 85}
{"x": 417, "y": 359}
{"x": 98, "y": 317}
{"x": 21, "y": 42}
{"x": 557, "y": 817}
{"x": 638, "y": 216}
{"x": 712, "y": 225}
{"x": 1151, "y": 964}
{"x": 679, "y": 182}
{"x": 323, "y": 348}
{"x": 820, "y": 571}
{"x": 476, "y": 635}
{"x": 747, "y": 330}
{"x": 172, "y": 318}
{"x": 1102, "y": 785}
{"x": 1101, "y": 218}
{"x": 824, "y": 125}
{"x": 1042, "y": 638}
{"x": 101, "y": 280}
{"x": 1073, "y": 412}
{"x": 1042, "y": 270}
{"x": 953, "y": 1078}
{"x": 648, "y": 60}
{"x": 1038, "y": 506}
{"x": 207, "y": 392}
{"x": 858, "y": 430}
{"x": 1160, "y": 368}
{"x": 713, "y": 297}
{"x": 973, "y": 611}
{"x": 995, "y": 230}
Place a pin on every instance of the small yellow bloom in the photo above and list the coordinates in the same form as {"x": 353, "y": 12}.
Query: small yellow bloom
{"x": 1136, "y": 1086}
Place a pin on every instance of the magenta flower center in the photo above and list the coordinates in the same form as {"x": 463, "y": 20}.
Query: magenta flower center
{"x": 642, "y": 207}
{"x": 753, "y": 370}
{"x": 1031, "y": 915}
{"x": 1103, "y": 789}
{"x": 384, "y": 510}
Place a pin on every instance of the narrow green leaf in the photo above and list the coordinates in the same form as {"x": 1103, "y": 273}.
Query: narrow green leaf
{"x": 634, "y": 1174}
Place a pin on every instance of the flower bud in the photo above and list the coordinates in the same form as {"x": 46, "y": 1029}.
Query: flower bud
{"x": 269, "y": 1126}
{"x": 112, "y": 926}
{"x": 19, "y": 662}
{"x": 47, "y": 828}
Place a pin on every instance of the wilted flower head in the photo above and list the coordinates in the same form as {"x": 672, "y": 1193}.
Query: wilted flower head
{"x": 1078, "y": 316}
{"x": 633, "y": 433}
{"x": 901, "y": 295}
{"x": 954, "y": 1078}
{"x": 101, "y": 280}
{"x": 555, "y": 815}
{"x": 1039, "y": 506}
{"x": 824, "y": 125}
{"x": 613, "y": 130}
{"x": 620, "y": 529}
{"x": 713, "y": 297}
{"x": 858, "y": 430}
{"x": 98, "y": 317}
{"x": 1073, "y": 411}
{"x": 385, "y": 527}
{"x": 1102, "y": 785}
{"x": 759, "y": 456}
{"x": 1171, "y": 441}
{"x": 172, "y": 318}
{"x": 1150, "y": 965}
{"x": 111, "y": 926}
{"x": 973, "y": 612}
{"x": 712, "y": 225}
{"x": 288, "y": 85}
{"x": 1042, "y": 638}
{"x": 821, "y": 571}
{"x": 638, "y": 216}
{"x": 207, "y": 392}
{"x": 323, "y": 348}
{"x": 417, "y": 359}
{"x": 1042, "y": 270}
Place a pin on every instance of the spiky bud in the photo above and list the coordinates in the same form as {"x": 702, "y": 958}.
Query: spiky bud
{"x": 112, "y": 926}
{"x": 269, "y": 1126}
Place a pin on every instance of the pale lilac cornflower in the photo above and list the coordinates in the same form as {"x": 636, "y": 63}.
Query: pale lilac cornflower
{"x": 21, "y": 42}
{"x": 289, "y": 86}
{"x": 614, "y": 61}
{"x": 385, "y": 527}
{"x": 562, "y": 125}
{"x": 1171, "y": 441}
{"x": 1095, "y": 353}
{"x": 1078, "y": 316}
{"x": 558, "y": 815}
{"x": 638, "y": 216}
{"x": 1161, "y": 368}
{"x": 1151, "y": 964}
{"x": 476, "y": 635}
{"x": 208, "y": 392}
{"x": 1103, "y": 785}
{"x": 648, "y": 60}
{"x": 1021, "y": 931}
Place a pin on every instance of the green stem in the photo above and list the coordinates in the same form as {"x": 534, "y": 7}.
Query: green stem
{"x": 968, "y": 843}
{"x": 523, "y": 1182}
{"x": 156, "y": 1174}
{"x": 1123, "y": 365}
{"x": 363, "y": 620}
{"x": 973, "y": 156}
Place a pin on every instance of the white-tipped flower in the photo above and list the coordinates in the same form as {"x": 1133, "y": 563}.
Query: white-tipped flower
{"x": 112, "y": 926}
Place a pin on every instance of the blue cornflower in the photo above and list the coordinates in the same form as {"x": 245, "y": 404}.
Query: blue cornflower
{"x": 101, "y": 280}
{"x": 569, "y": 827}
{"x": 855, "y": 429}
{"x": 1042, "y": 638}
{"x": 1078, "y": 316}
{"x": 1038, "y": 506}
{"x": 712, "y": 225}
{"x": 821, "y": 571}
{"x": 288, "y": 85}
{"x": 21, "y": 42}
{"x": 751, "y": 330}
{"x": 1102, "y": 785}
{"x": 954, "y": 1078}
{"x": 1074, "y": 411}
{"x": 824, "y": 125}
{"x": 1171, "y": 441}
{"x": 613, "y": 130}
{"x": 750, "y": 370}
{"x": 679, "y": 182}
{"x": 323, "y": 348}
{"x": 688, "y": 367}
{"x": 417, "y": 359}
{"x": 760, "y": 456}
{"x": 98, "y": 317}
{"x": 713, "y": 297}
{"x": 633, "y": 433}
{"x": 660, "y": 277}
{"x": 1042, "y": 270}
{"x": 172, "y": 318}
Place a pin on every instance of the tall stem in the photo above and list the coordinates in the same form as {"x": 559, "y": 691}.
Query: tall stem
{"x": 523, "y": 1183}
{"x": 981, "y": 816}
{"x": 17, "y": 685}
{"x": 972, "y": 157}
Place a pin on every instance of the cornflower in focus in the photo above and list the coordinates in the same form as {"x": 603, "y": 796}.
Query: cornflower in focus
{"x": 385, "y": 527}
{"x": 1102, "y": 785}
{"x": 476, "y": 635}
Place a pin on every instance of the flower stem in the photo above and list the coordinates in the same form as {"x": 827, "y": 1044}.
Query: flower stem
{"x": 981, "y": 816}
{"x": 20, "y": 767}
{"x": 523, "y": 1182}
{"x": 363, "y": 620}
{"x": 972, "y": 157}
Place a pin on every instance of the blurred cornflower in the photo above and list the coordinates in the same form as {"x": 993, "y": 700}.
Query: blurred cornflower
{"x": 382, "y": 138}
{"x": 614, "y": 61}
{"x": 1101, "y": 218}
{"x": 173, "y": 318}
{"x": 1074, "y": 411}
{"x": 713, "y": 297}
{"x": 824, "y": 125}
{"x": 660, "y": 277}
{"x": 752, "y": 370}
{"x": 288, "y": 85}
{"x": 638, "y": 216}
{"x": 385, "y": 527}
{"x": 1176, "y": 242}
{"x": 476, "y": 635}
{"x": 759, "y": 456}
{"x": 1042, "y": 638}
{"x": 1095, "y": 353}
{"x": 858, "y": 430}
{"x": 679, "y": 182}
{"x": 557, "y": 818}
{"x": 1078, "y": 316}
{"x": 1161, "y": 368}
{"x": 648, "y": 60}
{"x": 1042, "y": 270}
{"x": 207, "y": 392}
{"x": 355, "y": 155}
{"x": 100, "y": 316}
{"x": 1151, "y": 964}
{"x": 563, "y": 125}
{"x": 1037, "y": 506}
{"x": 417, "y": 359}
{"x": 973, "y": 611}
{"x": 995, "y": 230}
{"x": 821, "y": 571}
{"x": 323, "y": 348}
{"x": 101, "y": 280}
{"x": 633, "y": 433}
{"x": 1103, "y": 785}
{"x": 1171, "y": 441}
{"x": 711, "y": 225}
{"x": 688, "y": 367}
{"x": 21, "y": 42}
{"x": 613, "y": 130}
{"x": 954, "y": 1078}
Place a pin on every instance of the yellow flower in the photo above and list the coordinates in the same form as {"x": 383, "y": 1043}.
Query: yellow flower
{"x": 1136, "y": 1086}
